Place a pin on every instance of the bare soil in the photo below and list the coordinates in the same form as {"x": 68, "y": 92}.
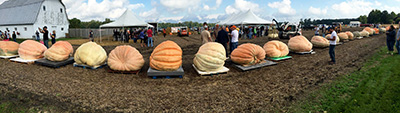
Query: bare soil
{"x": 266, "y": 89}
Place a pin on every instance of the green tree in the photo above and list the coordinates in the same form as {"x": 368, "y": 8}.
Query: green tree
{"x": 74, "y": 23}
{"x": 363, "y": 19}
{"x": 374, "y": 16}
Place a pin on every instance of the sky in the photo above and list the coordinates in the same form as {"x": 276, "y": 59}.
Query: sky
{"x": 218, "y": 10}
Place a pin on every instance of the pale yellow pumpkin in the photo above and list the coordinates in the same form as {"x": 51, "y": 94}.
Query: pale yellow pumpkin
{"x": 319, "y": 41}
{"x": 210, "y": 57}
{"x": 300, "y": 44}
{"x": 90, "y": 54}
{"x": 276, "y": 49}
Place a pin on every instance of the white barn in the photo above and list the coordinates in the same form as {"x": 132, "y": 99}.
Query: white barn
{"x": 26, "y": 16}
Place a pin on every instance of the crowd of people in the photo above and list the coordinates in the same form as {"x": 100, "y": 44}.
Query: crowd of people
{"x": 144, "y": 35}
{"x": 6, "y": 36}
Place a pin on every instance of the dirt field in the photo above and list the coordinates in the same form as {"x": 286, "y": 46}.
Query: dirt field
{"x": 266, "y": 89}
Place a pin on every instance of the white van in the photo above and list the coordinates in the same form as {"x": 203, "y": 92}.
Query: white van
{"x": 355, "y": 24}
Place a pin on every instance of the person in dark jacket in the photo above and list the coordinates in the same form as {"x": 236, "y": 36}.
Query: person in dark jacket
{"x": 391, "y": 39}
{"x": 14, "y": 36}
{"x": 223, "y": 38}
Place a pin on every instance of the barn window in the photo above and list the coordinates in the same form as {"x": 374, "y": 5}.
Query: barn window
{"x": 62, "y": 29}
{"x": 16, "y": 29}
{"x": 44, "y": 8}
{"x": 61, "y": 10}
{"x": 25, "y": 28}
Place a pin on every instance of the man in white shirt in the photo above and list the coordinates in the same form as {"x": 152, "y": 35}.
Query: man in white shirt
{"x": 316, "y": 31}
{"x": 332, "y": 44}
{"x": 235, "y": 39}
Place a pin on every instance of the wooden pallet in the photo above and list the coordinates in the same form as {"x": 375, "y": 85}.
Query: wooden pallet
{"x": 89, "y": 67}
{"x": 224, "y": 70}
{"x": 109, "y": 70}
{"x": 48, "y": 63}
{"x": 8, "y": 57}
{"x": 265, "y": 63}
{"x": 156, "y": 74}
{"x": 22, "y": 61}
{"x": 280, "y": 58}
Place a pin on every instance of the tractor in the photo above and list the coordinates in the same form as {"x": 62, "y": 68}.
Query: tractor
{"x": 287, "y": 30}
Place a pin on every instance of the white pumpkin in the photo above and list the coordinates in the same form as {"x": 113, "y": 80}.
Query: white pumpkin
{"x": 90, "y": 54}
{"x": 210, "y": 57}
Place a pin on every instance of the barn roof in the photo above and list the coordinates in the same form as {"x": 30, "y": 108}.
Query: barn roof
{"x": 20, "y": 12}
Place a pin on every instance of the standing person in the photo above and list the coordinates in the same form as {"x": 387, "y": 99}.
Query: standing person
{"x": 37, "y": 36}
{"x": 390, "y": 39}
{"x": 150, "y": 38}
{"x": 205, "y": 35}
{"x": 53, "y": 38}
{"x": 164, "y": 32}
{"x": 1, "y": 34}
{"x": 398, "y": 40}
{"x": 14, "y": 36}
{"x": 223, "y": 39}
{"x": 142, "y": 38}
{"x": 45, "y": 33}
{"x": 235, "y": 39}
{"x": 115, "y": 35}
{"x": 216, "y": 30}
{"x": 323, "y": 30}
{"x": 91, "y": 36}
{"x": 332, "y": 45}
{"x": 316, "y": 31}
{"x": 262, "y": 31}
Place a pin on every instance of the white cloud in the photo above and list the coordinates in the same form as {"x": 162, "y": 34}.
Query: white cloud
{"x": 151, "y": 15}
{"x": 176, "y": 6}
{"x": 241, "y": 6}
{"x": 351, "y": 9}
{"x": 284, "y": 7}
{"x": 91, "y": 9}
{"x": 1, "y": 1}
{"x": 218, "y": 3}
{"x": 317, "y": 11}
{"x": 206, "y": 7}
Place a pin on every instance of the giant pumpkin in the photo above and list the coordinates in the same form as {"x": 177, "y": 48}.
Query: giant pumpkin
{"x": 8, "y": 48}
{"x": 376, "y": 31}
{"x": 300, "y": 44}
{"x": 90, "y": 54}
{"x": 276, "y": 49}
{"x": 382, "y": 30}
{"x": 210, "y": 57}
{"x": 343, "y": 36}
{"x": 319, "y": 41}
{"x": 350, "y": 35}
{"x": 248, "y": 54}
{"x": 369, "y": 30}
{"x": 364, "y": 33}
{"x": 166, "y": 57}
{"x": 60, "y": 51}
{"x": 273, "y": 36}
{"x": 31, "y": 50}
{"x": 329, "y": 36}
{"x": 125, "y": 58}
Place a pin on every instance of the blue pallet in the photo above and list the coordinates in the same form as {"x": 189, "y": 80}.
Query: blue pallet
{"x": 165, "y": 77}
{"x": 88, "y": 67}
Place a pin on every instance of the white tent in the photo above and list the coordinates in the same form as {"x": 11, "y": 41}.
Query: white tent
{"x": 127, "y": 19}
{"x": 246, "y": 18}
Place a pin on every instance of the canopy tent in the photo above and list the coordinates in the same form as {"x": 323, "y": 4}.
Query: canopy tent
{"x": 245, "y": 18}
{"x": 127, "y": 19}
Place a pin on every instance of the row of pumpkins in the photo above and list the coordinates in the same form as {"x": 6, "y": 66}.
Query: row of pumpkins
{"x": 167, "y": 56}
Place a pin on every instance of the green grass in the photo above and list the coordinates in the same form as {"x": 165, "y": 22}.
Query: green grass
{"x": 374, "y": 89}
{"x": 10, "y": 107}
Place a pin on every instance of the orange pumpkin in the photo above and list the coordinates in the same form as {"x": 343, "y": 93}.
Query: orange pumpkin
{"x": 8, "y": 48}
{"x": 369, "y": 30}
{"x": 60, "y": 51}
{"x": 376, "y": 31}
{"x": 31, "y": 50}
{"x": 125, "y": 58}
{"x": 300, "y": 44}
{"x": 248, "y": 54}
{"x": 350, "y": 35}
{"x": 276, "y": 49}
{"x": 166, "y": 57}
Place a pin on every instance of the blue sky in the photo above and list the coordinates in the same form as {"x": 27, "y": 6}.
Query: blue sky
{"x": 216, "y": 10}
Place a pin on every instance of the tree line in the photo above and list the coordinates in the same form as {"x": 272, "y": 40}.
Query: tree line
{"x": 374, "y": 17}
